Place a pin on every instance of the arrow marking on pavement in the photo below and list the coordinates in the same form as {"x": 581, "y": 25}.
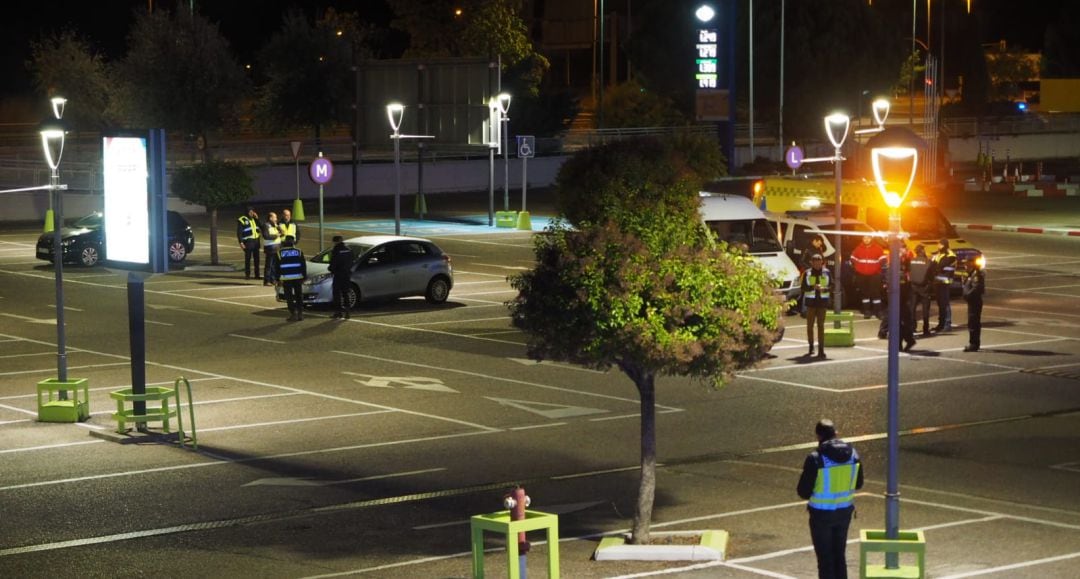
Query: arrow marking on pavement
{"x": 408, "y": 382}
{"x": 546, "y": 409}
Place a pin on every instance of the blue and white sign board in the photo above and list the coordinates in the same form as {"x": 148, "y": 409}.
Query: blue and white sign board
{"x": 321, "y": 170}
{"x": 526, "y": 146}
{"x": 794, "y": 156}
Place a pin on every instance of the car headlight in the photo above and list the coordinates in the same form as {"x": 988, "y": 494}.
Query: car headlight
{"x": 67, "y": 242}
{"x": 317, "y": 279}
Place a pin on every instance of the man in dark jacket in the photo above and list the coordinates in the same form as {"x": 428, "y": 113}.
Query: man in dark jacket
{"x": 831, "y": 475}
{"x": 341, "y": 260}
{"x": 291, "y": 272}
{"x": 974, "y": 288}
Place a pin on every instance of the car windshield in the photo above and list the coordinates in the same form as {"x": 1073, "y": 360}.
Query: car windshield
{"x": 357, "y": 249}
{"x": 92, "y": 221}
{"x": 757, "y": 235}
{"x": 925, "y": 222}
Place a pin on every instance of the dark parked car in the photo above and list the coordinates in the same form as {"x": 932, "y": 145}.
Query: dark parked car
{"x": 84, "y": 244}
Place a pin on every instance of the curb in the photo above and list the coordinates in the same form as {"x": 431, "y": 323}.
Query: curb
{"x": 1020, "y": 229}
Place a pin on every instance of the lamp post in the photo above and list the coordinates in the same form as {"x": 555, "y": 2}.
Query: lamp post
{"x": 893, "y": 198}
{"x": 395, "y": 112}
{"x": 836, "y": 127}
{"x": 503, "y": 101}
{"x": 52, "y": 143}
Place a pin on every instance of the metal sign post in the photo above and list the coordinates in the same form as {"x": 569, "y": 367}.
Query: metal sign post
{"x": 526, "y": 148}
{"x": 321, "y": 171}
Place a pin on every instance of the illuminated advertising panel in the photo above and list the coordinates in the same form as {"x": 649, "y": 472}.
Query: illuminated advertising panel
{"x": 127, "y": 194}
{"x": 707, "y": 58}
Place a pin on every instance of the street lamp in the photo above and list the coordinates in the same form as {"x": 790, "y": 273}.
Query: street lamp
{"x": 894, "y": 197}
{"x": 503, "y": 101}
{"x": 836, "y": 127}
{"x": 53, "y": 133}
{"x": 395, "y": 112}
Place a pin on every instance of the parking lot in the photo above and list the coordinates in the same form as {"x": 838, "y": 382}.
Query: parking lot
{"x": 362, "y": 447}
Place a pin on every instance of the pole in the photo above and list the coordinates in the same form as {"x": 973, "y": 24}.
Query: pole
{"x": 780, "y": 116}
{"x": 600, "y": 79}
{"x": 320, "y": 217}
{"x": 491, "y": 186}
{"x": 137, "y": 342}
{"x": 421, "y": 205}
{"x": 911, "y": 61}
{"x": 58, "y": 260}
{"x": 506, "y": 162}
{"x": 892, "y": 490}
{"x": 524, "y": 180}
{"x": 750, "y": 15}
{"x": 838, "y": 304}
{"x": 397, "y": 190}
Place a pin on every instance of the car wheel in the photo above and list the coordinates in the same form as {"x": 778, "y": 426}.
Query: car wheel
{"x": 438, "y": 290}
{"x": 352, "y": 296}
{"x": 177, "y": 252}
{"x": 89, "y": 256}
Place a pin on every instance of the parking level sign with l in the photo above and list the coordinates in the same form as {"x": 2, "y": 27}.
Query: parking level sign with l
{"x": 526, "y": 146}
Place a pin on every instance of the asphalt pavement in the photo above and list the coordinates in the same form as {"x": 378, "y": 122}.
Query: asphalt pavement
{"x": 361, "y": 448}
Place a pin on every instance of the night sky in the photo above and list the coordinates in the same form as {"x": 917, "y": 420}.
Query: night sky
{"x": 248, "y": 23}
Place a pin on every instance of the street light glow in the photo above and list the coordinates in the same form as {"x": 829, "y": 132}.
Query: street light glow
{"x": 836, "y": 127}
{"x": 705, "y": 13}
{"x": 881, "y": 111}
{"x": 504, "y": 102}
{"x": 893, "y": 198}
{"x": 58, "y": 103}
{"x": 395, "y": 112}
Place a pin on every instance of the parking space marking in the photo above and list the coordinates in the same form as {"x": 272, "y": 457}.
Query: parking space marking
{"x": 1020, "y": 565}
{"x": 17, "y": 409}
{"x": 257, "y": 339}
{"x": 53, "y": 370}
{"x": 293, "y": 421}
{"x": 50, "y": 446}
{"x": 469, "y": 321}
{"x": 499, "y": 379}
{"x": 1068, "y": 466}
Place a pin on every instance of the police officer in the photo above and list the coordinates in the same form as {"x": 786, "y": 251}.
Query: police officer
{"x": 271, "y": 240}
{"x": 944, "y": 268}
{"x": 816, "y": 283}
{"x": 341, "y": 260}
{"x": 921, "y": 272}
{"x": 291, "y": 271}
{"x": 247, "y": 234}
{"x": 830, "y": 476}
{"x": 288, "y": 226}
{"x": 974, "y": 288}
{"x": 867, "y": 259}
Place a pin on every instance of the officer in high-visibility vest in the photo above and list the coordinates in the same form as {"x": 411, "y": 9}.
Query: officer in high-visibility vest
{"x": 288, "y": 226}
{"x": 831, "y": 475}
{"x": 816, "y": 283}
{"x": 921, "y": 287}
{"x": 944, "y": 268}
{"x": 291, "y": 271}
{"x": 247, "y": 234}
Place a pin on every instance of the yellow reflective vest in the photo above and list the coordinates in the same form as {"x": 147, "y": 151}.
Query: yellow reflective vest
{"x": 834, "y": 487}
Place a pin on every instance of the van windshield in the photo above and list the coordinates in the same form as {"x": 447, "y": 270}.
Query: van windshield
{"x": 925, "y": 222}
{"x": 757, "y": 235}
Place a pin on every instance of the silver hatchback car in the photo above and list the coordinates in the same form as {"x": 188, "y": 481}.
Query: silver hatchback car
{"x": 384, "y": 267}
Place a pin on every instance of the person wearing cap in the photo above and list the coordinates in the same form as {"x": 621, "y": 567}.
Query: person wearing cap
{"x": 831, "y": 474}
{"x": 944, "y": 267}
{"x": 816, "y": 283}
{"x": 247, "y": 234}
{"x": 974, "y": 288}
{"x": 341, "y": 261}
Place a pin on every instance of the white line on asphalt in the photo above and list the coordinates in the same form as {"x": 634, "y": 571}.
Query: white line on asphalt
{"x": 1029, "y": 276}
{"x": 3, "y": 422}
{"x": 461, "y": 283}
{"x": 53, "y": 370}
{"x": 17, "y": 409}
{"x": 1046, "y": 287}
{"x": 1041, "y": 313}
{"x": 205, "y": 289}
{"x": 505, "y": 291}
{"x": 293, "y": 421}
{"x": 498, "y": 378}
{"x": 257, "y": 339}
{"x": 66, "y": 308}
{"x": 158, "y": 323}
{"x": 533, "y": 426}
{"x": 503, "y": 318}
{"x": 29, "y": 355}
{"x": 497, "y": 333}
{"x": 501, "y": 277}
{"x": 49, "y": 446}
{"x": 1014, "y": 566}
{"x": 1038, "y": 293}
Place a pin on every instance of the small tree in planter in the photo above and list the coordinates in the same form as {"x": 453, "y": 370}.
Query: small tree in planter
{"x": 214, "y": 184}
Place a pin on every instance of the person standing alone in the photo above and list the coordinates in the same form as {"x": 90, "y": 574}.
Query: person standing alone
{"x": 341, "y": 260}
{"x": 974, "y": 288}
{"x": 830, "y": 476}
{"x": 816, "y": 283}
{"x": 247, "y": 234}
{"x": 291, "y": 271}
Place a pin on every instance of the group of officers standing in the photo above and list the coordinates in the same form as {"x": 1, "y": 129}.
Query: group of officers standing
{"x": 922, "y": 278}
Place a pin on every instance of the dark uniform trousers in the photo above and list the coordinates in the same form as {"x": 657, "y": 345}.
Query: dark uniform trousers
{"x": 828, "y": 531}
{"x": 294, "y": 295}
{"x": 975, "y": 305}
{"x": 340, "y": 287}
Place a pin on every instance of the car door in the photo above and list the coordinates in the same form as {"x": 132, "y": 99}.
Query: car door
{"x": 376, "y": 274}
{"x": 413, "y": 267}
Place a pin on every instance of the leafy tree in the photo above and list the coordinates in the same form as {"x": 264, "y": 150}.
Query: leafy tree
{"x": 614, "y": 180}
{"x": 67, "y": 65}
{"x": 214, "y": 184}
{"x": 631, "y": 105}
{"x": 642, "y": 286}
{"x": 306, "y": 71}
{"x": 1008, "y": 68}
{"x": 178, "y": 74}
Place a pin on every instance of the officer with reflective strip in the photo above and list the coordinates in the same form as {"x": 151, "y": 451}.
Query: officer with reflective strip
{"x": 291, "y": 271}
{"x": 831, "y": 475}
{"x": 247, "y": 234}
{"x": 944, "y": 269}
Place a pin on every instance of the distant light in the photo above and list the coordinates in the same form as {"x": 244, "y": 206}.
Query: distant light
{"x": 1021, "y": 106}
{"x": 458, "y": 12}
{"x": 705, "y": 13}
{"x": 340, "y": 32}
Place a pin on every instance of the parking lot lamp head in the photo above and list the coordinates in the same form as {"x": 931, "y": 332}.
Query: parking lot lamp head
{"x": 836, "y": 127}
{"x": 887, "y": 187}
{"x": 504, "y": 102}
{"x": 881, "y": 112}
{"x": 52, "y": 141}
{"x": 705, "y": 13}
{"x": 395, "y": 112}
{"x": 58, "y": 103}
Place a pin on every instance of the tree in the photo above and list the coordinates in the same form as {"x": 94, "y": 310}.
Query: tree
{"x": 178, "y": 74}
{"x": 65, "y": 64}
{"x": 1008, "y": 68}
{"x": 306, "y": 71}
{"x": 213, "y": 184}
{"x": 646, "y": 289}
{"x": 632, "y": 105}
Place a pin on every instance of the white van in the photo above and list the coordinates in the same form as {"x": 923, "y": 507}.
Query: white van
{"x": 736, "y": 220}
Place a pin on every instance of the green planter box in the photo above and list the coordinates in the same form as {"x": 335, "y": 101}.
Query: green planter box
{"x": 63, "y": 400}
{"x": 913, "y": 542}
